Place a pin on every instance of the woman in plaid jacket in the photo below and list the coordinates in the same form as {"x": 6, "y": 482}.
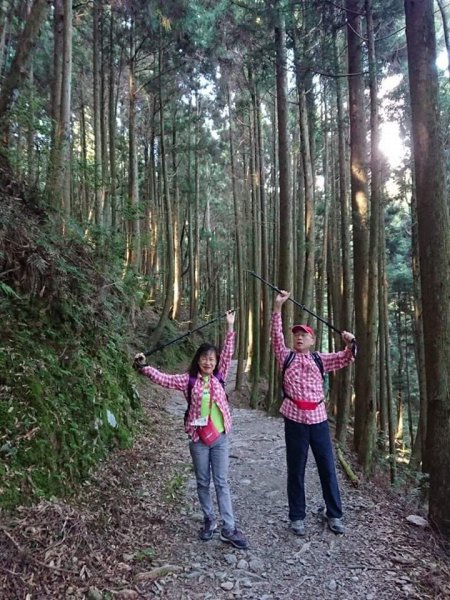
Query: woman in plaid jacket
{"x": 203, "y": 386}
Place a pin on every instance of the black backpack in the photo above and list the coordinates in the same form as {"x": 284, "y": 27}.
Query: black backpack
{"x": 288, "y": 361}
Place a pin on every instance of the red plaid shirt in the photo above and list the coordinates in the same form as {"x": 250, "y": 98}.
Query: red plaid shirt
{"x": 303, "y": 379}
{"x": 181, "y": 382}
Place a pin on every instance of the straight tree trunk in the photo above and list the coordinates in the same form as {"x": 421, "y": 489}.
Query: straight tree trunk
{"x": 133, "y": 176}
{"x": 344, "y": 376}
{"x": 308, "y": 182}
{"x": 18, "y": 70}
{"x": 98, "y": 184}
{"x": 434, "y": 247}
{"x": 360, "y": 208}
{"x": 367, "y": 446}
{"x": 446, "y": 30}
{"x": 59, "y": 180}
{"x": 66, "y": 94}
{"x": 419, "y": 455}
{"x": 176, "y": 223}
{"x": 266, "y": 296}
{"x": 255, "y": 247}
{"x": 384, "y": 339}
{"x": 285, "y": 276}
{"x": 112, "y": 113}
{"x": 5, "y": 18}
{"x": 168, "y": 288}
{"x": 56, "y": 97}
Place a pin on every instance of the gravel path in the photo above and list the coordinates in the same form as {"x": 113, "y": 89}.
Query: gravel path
{"x": 379, "y": 557}
{"x": 131, "y": 531}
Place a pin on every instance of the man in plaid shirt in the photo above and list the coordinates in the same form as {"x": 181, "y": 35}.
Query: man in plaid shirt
{"x": 305, "y": 417}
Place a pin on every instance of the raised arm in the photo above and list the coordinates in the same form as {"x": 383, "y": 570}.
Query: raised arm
{"x": 337, "y": 360}
{"x": 173, "y": 382}
{"x": 276, "y": 331}
{"x": 228, "y": 348}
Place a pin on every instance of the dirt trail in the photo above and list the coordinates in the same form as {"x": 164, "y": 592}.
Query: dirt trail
{"x": 130, "y": 533}
{"x": 375, "y": 559}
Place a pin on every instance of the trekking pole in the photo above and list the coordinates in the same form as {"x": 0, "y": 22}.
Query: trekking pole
{"x": 302, "y": 306}
{"x": 189, "y": 332}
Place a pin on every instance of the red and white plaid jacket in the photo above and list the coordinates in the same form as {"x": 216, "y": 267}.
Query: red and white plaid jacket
{"x": 181, "y": 382}
{"x": 303, "y": 379}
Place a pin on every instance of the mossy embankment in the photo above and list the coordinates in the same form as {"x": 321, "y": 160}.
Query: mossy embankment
{"x": 67, "y": 389}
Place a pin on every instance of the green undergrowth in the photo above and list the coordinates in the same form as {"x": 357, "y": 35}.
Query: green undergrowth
{"x": 67, "y": 389}
{"x": 64, "y": 403}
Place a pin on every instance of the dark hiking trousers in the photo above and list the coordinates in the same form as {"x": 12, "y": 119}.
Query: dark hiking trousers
{"x": 298, "y": 439}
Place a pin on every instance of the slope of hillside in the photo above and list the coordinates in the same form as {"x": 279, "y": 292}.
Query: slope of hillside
{"x": 66, "y": 387}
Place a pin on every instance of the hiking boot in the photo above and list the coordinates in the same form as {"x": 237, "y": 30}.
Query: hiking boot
{"x": 334, "y": 524}
{"x": 209, "y": 527}
{"x": 298, "y": 527}
{"x": 236, "y": 538}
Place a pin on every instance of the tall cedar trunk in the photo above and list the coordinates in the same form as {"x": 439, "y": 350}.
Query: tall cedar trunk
{"x": 255, "y": 250}
{"x": 239, "y": 252}
{"x": 31, "y": 180}
{"x": 176, "y": 223}
{"x": 334, "y": 286}
{"x": 98, "y": 186}
{"x": 383, "y": 399}
{"x": 104, "y": 129}
{"x": 344, "y": 376}
{"x": 384, "y": 339}
{"x": 59, "y": 164}
{"x": 322, "y": 261}
{"x": 169, "y": 254}
{"x": 407, "y": 327}
{"x": 112, "y": 112}
{"x": 154, "y": 223}
{"x": 272, "y": 398}
{"x": 4, "y": 28}
{"x": 434, "y": 247}
{"x": 55, "y": 91}
{"x": 309, "y": 257}
{"x": 66, "y": 92}
{"x": 299, "y": 227}
{"x": 419, "y": 454}
{"x": 194, "y": 223}
{"x": 134, "y": 243}
{"x": 360, "y": 211}
{"x": 367, "y": 443}
{"x": 18, "y": 70}
{"x": 264, "y": 243}
{"x": 84, "y": 200}
{"x": 285, "y": 263}
{"x": 446, "y": 30}
{"x": 400, "y": 371}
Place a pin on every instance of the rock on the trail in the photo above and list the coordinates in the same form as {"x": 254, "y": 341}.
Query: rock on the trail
{"x": 94, "y": 594}
{"x": 332, "y": 585}
{"x": 416, "y": 520}
{"x": 127, "y": 595}
{"x": 230, "y": 559}
{"x": 227, "y": 585}
{"x": 242, "y": 564}
{"x": 256, "y": 565}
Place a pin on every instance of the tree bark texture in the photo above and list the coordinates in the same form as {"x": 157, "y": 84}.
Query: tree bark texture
{"x": 434, "y": 247}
